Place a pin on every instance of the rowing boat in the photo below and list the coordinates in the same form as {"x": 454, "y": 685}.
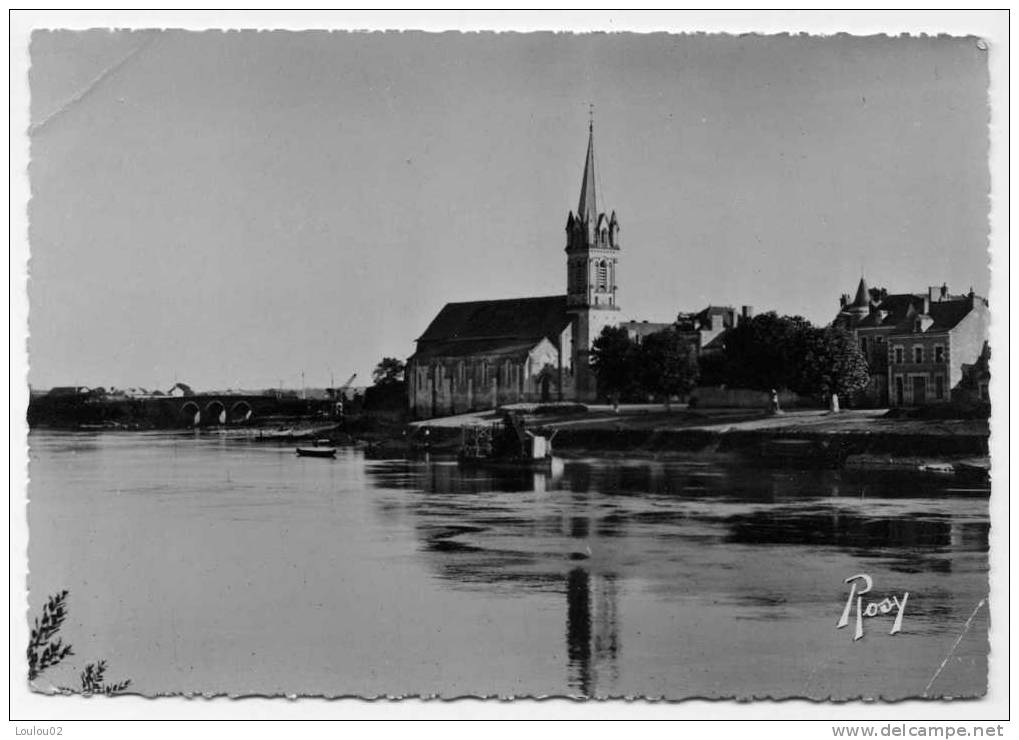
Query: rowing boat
{"x": 317, "y": 452}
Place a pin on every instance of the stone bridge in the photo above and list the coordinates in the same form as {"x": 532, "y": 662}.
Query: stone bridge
{"x": 170, "y": 412}
{"x": 223, "y": 410}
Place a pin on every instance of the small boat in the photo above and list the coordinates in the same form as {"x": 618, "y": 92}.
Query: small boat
{"x": 316, "y": 451}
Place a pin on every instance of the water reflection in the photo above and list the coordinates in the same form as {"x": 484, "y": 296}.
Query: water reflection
{"x": 685, "y": 531}
{"x": 592, "y": 630}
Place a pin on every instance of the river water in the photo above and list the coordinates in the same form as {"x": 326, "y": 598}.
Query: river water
{"x": 202, "y": 564}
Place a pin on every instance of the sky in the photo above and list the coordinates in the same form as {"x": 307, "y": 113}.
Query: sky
{"x": 234, "y": 209}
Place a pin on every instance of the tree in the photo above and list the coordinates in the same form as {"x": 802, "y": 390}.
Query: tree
{"x": 388, "y": 372}
{"x": 765, "y": 352}
{"x": 668, "y": 364}
{"x": 614, "y": 361}
{"x": 831, "y": 362}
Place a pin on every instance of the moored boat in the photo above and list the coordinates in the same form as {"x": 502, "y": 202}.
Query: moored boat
{"x": 316, "y": 451}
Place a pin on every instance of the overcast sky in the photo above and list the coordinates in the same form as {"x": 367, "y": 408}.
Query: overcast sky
{"x": 229, "y": 209}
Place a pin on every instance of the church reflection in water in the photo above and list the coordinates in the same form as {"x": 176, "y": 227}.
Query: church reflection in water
{"x": 592, "y": 630}
{"x": 585, "y": 530}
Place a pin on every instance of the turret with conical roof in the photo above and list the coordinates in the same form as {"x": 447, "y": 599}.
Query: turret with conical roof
{"x": 860, "y": 306}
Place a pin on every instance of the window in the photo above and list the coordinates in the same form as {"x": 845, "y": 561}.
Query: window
{"x": 898, "y": 355}
{"x": 863, "y": 345}
{"x": 917, "y": 354}
{"x": 603, "y": 276}
{"x": 939, "y": 387}
{"x": 899, "y": 391}
{"x": 879, "y": 339}
{"x": 939, "y": 354}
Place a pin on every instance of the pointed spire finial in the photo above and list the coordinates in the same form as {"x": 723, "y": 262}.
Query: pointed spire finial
{"x": 587, "y": 210}
{"x": 590, "y": 118}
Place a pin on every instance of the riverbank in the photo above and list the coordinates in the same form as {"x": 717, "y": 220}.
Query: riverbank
{"x": 798, "y": 438}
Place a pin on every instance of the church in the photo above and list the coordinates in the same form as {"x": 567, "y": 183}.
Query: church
{"x": 483, "y": 354}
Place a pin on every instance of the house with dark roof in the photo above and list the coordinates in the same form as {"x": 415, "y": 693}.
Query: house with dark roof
{"x": 707, "y": 328}
{"x": 918, "y": 345}
{"x": 483, "y": 354}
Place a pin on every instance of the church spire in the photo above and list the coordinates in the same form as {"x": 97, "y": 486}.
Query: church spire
{"x": 587, "y": 210}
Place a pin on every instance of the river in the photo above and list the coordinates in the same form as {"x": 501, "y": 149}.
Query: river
{"x": 209, "y": 565}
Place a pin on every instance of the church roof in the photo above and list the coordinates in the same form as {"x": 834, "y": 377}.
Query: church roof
{"x": 494, "y": 327}
{"x": 587, "y": 209}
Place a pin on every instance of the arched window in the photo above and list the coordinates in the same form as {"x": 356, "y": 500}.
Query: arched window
{"x": 603, "y": 275}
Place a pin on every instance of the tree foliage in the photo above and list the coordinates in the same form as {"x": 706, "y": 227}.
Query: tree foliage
{"x": 771, "y": 351}
{"x": 668, "y": 364}
{"x": 663, "y": 365}
{"x": 765, "y": 352}
{"x": 388, "y": 371}
{"x": 831, "y": 363}
{"x": 614, "y": 358}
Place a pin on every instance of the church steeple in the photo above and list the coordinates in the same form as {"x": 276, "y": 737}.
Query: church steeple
{"x": 587, "y": 209}
{"x": 592, "y": 262}
{"x": 590, "y": 228}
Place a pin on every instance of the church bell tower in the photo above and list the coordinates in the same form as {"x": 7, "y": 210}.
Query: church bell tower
{"x": 592, "y": 257}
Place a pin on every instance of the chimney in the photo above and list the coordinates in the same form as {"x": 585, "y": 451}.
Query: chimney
{"x": 927, "y": 303}
{"x": 844, "y": 300}
{"x": 944, "y": 291}
{"x": 746, "y": 312}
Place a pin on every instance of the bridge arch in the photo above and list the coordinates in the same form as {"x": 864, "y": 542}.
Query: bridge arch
{"x": 240, "y": 412}
{"x": 191, "y": 414}
{"x": 215, "y": 413}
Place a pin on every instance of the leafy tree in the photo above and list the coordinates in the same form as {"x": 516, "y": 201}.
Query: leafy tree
{"x": 831, "y": 362}
{"x": 614, "y": 359}
{"x": 388, "y": 372}
{"x": 668, "y": 365}
{"x": 765, "y": 352}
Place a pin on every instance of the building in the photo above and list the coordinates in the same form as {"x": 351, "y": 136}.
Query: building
{"x": 638, "y": 330}
{"x": 706, "y": 329}
{"x": 919, "y": 346}
{"x": 483, "y": 354}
